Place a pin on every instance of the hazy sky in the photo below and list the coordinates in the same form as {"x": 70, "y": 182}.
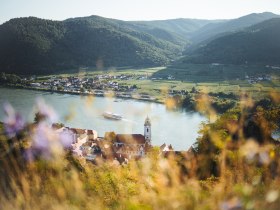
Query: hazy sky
{"x": 135, "y": 9}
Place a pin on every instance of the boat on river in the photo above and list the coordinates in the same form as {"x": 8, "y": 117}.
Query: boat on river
{"x": 112, "y": 116}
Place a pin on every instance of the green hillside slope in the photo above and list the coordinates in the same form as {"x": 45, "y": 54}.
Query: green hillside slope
{"x": 259, "y": 44}
{"x": 32, "y": 45}
{"x": 213, "y": 30}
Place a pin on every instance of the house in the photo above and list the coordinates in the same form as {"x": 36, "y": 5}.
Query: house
{"x": 92, "y": 134}
{"x": 122, "y": 147}
{"x": 77, "y": 132}
{"x": 131, "y": 145}
{"x": 35, "y": 84}
{"x": 166, "y": 148}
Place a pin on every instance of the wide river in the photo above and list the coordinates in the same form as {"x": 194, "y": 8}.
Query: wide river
{"x": 171, "y": 127}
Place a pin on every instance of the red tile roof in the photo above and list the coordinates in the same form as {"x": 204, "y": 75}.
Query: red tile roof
{"x": 130, "y": 138}
{"x": 89, "y": 132}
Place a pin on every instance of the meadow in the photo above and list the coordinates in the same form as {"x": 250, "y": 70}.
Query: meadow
{"x": 203, "y": 77}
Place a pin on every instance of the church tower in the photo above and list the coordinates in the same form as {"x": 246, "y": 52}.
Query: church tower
{"x": 147, "y": 130}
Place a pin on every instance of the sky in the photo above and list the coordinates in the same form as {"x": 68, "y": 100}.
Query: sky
{"x": 135, "y": 9}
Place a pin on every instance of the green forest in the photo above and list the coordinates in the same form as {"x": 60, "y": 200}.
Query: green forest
{"x": 32, "y": 45}
{"x": 259, "y": 44}
{"x": 38, "y": 46}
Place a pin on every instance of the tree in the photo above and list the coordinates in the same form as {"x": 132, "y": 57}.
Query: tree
{"x": 60, "y": 88}
{"x": 188, "y": 102}
{"x": 193, "y": 90}
{"x": 82, "y": 90}
{"x": 39, "y": 117}
{"x": 110, "y": 136}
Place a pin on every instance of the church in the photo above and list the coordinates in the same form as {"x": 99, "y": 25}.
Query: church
{"x": 117, "y": 147}
{"x": 133, "y": 145}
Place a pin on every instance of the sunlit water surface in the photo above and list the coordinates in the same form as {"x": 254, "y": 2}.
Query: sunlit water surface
{"x": 171, "y": 127}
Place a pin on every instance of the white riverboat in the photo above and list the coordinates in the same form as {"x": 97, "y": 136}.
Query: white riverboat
{"x": 112, "y": 116}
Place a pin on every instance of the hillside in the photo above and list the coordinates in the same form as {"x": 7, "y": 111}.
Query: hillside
{"x": 37, "y": 46}
{"x": 258, "y": 44}
{"x": 32, "y": 45}
{"x": 182, "y": 27}
{"x": 214, "y": 30}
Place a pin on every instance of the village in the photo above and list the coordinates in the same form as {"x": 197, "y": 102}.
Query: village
{"x": 99, "y": 85}
{"x": 115, "y": 148}
{"x": 123, "y": 85}
{"x": 257, "y": 78}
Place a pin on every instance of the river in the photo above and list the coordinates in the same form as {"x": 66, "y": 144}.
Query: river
{"x": 171, "y": 127}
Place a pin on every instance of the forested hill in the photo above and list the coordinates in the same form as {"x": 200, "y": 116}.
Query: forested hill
{"x": 182, "y": 27}
{"x": 37, "y": 46}
{"x": 258, "y": 44}
{"x": 217, "y": 29}
{"x": 33, "y": 45}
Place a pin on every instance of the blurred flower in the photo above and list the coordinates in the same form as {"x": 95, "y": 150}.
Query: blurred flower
{"x": 170, "y": 103}
{"x": 46, "y": 110}
{"x": 231, "y": 204}
{"x": 13, "y": 122}
{"x": 272, "y": 196}
{"x": 272, "y": 154}
{"x": 250, "y": 149}
{"x": 28, "y": 155}
{"x": 41, "y": 144}
{"x": 256, "y": 180}
{"x": 163, "y": 164}
{"x": 46, "y": 143}
{"x": 66, "y": 138}
{"x": 264, "y": 157}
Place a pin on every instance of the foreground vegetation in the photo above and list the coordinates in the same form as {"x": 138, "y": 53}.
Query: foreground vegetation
{"x": 233, "y": 165}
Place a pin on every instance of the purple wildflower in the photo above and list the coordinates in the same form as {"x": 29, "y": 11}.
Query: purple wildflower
{"x": 29, "y": 155}
{"x": 264, "y": 158}
{"x": 13, "y": 121}
{"x": 47, "y": 143}
{"x": 46, "y": 110}
{"x": 41, "y": 144}
{"x": 231, "y": 204}
{"x": 66, "y": 138}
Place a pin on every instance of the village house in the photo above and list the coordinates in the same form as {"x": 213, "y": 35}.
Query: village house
{"x": 132, "y": 146}
{"x": 166, "y": 148}
{"x": 113, "y": 147}
{"x": 75, "y": 133}
{"x": 120, "y": 147}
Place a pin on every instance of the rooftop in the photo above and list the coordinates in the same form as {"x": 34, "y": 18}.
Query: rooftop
{"x": 130, "y": 138}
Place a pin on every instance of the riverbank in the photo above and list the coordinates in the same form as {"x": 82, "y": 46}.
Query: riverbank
{"x": 96, "y": 93}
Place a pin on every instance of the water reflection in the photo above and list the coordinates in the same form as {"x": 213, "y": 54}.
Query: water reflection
{"x": 178, "y": 128}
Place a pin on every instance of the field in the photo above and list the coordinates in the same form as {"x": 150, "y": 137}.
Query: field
{"x": 112, "y": 71}
{"x": 215, "y": 73}
{"x": 206, "y": 78}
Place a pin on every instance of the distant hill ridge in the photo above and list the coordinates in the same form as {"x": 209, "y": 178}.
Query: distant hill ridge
{"x": 41, "y": 46}
{"x": 37, "y": 46}
{"x": 213, "y": 29}
{"x": 257, "y": 44}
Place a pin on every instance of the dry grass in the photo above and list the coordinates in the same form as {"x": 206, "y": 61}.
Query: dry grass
{"x": 246, "y": 176}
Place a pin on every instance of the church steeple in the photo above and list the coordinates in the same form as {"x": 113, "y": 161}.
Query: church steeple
{"x": 147, "y": 130}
